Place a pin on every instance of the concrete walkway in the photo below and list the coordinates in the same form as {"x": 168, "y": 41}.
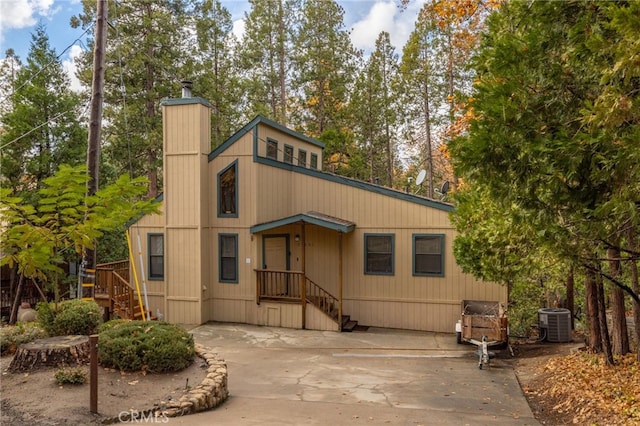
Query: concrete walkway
{"x": 299, "y": 377}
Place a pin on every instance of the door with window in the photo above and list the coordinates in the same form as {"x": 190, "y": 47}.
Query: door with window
{"x": 275, "y": 258}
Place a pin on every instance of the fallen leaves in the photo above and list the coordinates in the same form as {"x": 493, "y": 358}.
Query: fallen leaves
{"x": 581, "y": 384}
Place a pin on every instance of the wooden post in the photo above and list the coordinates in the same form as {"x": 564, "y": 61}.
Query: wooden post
{"x": 340, "y": 281}
{"x": 303, "y": 285}
{"x": 93, "y": 373}
{"x": 95, "y": 115}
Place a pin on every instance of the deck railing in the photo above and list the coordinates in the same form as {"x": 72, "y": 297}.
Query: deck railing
{"x": 322, "y": 300}
{"x": 112, "y": 284}
{"x": 290, "y": 286}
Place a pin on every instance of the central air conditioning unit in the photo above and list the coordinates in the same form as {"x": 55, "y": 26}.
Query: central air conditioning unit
{"x": 554, "y": 324}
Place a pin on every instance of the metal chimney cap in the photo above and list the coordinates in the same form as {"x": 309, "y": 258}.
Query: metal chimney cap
{"x": 186, "y": 88}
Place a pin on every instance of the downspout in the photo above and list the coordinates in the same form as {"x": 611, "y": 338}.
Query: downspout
{"x": 303, "y": 287}
{"x": 339, "y": 281}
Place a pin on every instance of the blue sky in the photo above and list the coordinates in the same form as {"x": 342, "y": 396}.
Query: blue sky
{"x": 18, "y": 18}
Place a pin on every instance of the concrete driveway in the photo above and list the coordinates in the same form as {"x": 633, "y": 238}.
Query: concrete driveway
{"x": 300, "y": 377}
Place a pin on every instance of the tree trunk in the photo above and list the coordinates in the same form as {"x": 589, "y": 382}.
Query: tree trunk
{"x": 636, "y": 288}
{"x": 51, "y": 352}
{"x": 570, "y": 296}
{"x": 619, "y": 332}
{"x": 17, "y": 300}
{"x": 591, "y": 296}
{"x": 602, "y": 319}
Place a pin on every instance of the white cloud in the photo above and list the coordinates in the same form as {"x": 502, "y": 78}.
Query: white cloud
{"x": 238, "y": 29}
{"x": 18, "y": 14}
{"x": 385, "y": 16}
{"x": 69, "y": 65}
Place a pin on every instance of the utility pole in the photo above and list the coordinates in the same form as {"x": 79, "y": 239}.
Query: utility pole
{"x": 95, "y": 132}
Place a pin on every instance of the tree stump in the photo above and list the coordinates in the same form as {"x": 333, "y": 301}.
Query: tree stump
{"x": 51, "y": 352}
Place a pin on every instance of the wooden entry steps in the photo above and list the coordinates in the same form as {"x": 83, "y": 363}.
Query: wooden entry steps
{"x": 348, "y": 325}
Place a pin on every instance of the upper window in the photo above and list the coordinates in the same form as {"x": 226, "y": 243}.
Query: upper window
{"x": 314, "y": 161}
{"x": 272, "y": 149}
{"x": 428, "y": 254}
{"x": 228, "y": 262}
{"x": 156, "y": 256}
{"x": 302, "y": 158}
{"x": 288, "y": 154}
{"x": 378, "y": 254}
{"x": 227, "y": 191}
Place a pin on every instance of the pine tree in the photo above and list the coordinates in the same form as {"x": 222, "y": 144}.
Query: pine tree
{"x": 216, "y": 75}
{"x": 266, "y": 56}
{"x": 425, "y": 89}
{"x": 324, "y": 65}
{"x": 375, "y": 107}
{"x": 148, "y": 46}
{"x": 41, "y": 125}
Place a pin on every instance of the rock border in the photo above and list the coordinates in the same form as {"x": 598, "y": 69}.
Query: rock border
{"x": 209, "y": 394}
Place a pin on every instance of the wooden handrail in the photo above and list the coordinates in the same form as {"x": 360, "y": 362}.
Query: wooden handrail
{"x": 112, "y": 279}
{"x": 294, "y": 286}
{"x": 323, "y": 300}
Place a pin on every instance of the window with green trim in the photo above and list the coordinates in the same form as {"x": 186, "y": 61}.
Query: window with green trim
{"x": 272, "y": 149}
{"x": 155, "y": 244}
{"x": 378, "y": 254}
{"x": 228, "y": 261}
{"x": 428, "y": 254}
{"x": 288, "y": 154}
{"x": 302, "y": 158}
{"x": 314, "y": 161}
{"x": 227, "y": 191}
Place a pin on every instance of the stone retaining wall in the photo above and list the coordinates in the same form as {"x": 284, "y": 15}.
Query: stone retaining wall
{"x": 207, "y": 395}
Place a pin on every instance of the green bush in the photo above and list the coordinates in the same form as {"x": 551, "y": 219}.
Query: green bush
{"x": 71, "y": 376}
{"x": 152, "y": 346}
{"x": 74, "y": 316}
{"x": 13, "y": 336}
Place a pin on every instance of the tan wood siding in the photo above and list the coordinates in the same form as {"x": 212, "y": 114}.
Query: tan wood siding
{"x": 317, "y": 320}
{"x": 193, "y": 292}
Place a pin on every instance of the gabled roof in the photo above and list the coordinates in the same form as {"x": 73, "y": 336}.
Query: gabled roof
{"x": 254, "y": 124}
{"x": 312, "y": 217}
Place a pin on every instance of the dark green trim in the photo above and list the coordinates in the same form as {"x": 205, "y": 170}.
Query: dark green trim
{"x": 220, "y": 279}
{"x": 325, "y": 223}
{"x": 357, "y": 184}
{"x": 393, "y": 253}
{"x": 237, "y": 135}
{"x": 287, "y": 248}
{"x": 300, "y": 162}
{"x": 253, "y": 125}
{"x": 271, "y": 141}
{"x": 133, "y": 221}
{"x": 237, "y": 177}
{"x": 413, "y": 255}
{"x": 149, "y": 276}
{"x": 185, "y": 101}
{"x": 284, "y": 154}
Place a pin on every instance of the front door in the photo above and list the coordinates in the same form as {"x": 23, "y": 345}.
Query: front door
{"x": 276, "y": 258}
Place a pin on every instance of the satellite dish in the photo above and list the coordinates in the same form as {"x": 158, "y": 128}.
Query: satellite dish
{"x": 421, "y": 176}
{"x": 445, "y": 187}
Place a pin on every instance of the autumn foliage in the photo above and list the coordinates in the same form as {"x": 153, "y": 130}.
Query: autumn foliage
{"x": 582, "y": 389}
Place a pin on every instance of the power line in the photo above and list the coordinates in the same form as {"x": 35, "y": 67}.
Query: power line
{"x": 57, "y": 58}
{"x": 41, "y": 125}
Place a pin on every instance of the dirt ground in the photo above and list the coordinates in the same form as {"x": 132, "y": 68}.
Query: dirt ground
{"x": 23, "y": 394}
{"x": 34, "y": 398}
{"x": 529, "y": 361}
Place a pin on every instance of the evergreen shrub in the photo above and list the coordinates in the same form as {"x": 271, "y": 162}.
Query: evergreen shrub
{"x": 153, "y": 346}
{"x": 69, "y": 317}
{"x": 11, "y": 337}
